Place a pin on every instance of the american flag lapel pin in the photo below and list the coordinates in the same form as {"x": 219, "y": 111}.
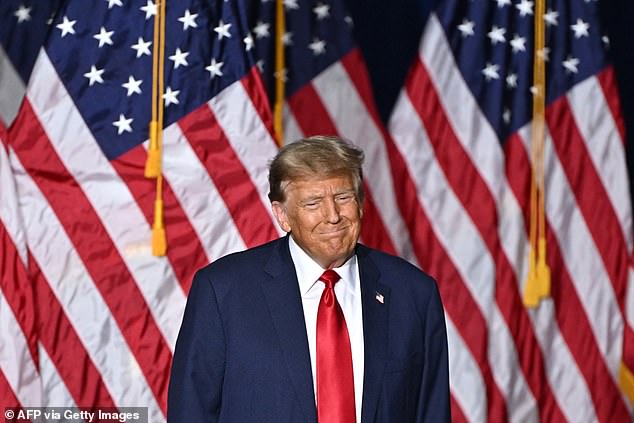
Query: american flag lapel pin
{"x": 380, "y": 298}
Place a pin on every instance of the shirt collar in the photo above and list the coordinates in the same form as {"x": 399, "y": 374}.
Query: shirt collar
{"x": 309, "y": 271}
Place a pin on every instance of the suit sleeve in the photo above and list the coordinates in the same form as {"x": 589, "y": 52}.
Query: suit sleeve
{"x": 195, "y": 388}
{"x": 434, "y": 403}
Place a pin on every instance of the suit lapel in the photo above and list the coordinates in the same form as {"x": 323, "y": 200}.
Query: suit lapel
{"x": 281, "y": 291}
{"x": 375, "y": 302}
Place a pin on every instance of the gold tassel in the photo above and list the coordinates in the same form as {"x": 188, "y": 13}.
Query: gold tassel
{"x": 159, "y": 241}
{"x": 531, "y": 292}
{"x": 153, "y": 162}
{"x": 626, "y": 382}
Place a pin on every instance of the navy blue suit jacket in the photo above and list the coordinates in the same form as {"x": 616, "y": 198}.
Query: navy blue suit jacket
{"x": 242, "y": 351}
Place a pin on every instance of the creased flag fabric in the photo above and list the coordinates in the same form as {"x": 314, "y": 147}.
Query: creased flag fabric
{"x": 89, "y": 317}
{"x": 462, "y": 126}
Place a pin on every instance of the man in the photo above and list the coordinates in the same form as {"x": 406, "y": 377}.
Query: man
{"x": 312, "y": 326}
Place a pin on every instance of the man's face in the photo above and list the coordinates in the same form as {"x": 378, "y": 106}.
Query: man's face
{"x": 323, "y": 217}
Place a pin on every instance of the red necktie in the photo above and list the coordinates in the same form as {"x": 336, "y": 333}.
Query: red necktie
{"x": 335, "y": 383}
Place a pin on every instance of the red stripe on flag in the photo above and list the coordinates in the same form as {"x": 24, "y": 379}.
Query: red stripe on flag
{"x": 65, "y": 349}
{"x": 313, "y": 119}
{"x": 184, "y": 250}
{"x": 18, "y": 291}
{"x": 97, "y": 251}
{"x": 590, "y": 194}
{"x": 230, "y": 177}
{"x": 571, "y": 317}
{"x": 254, "y": 86}
{"x": 465, "y": 179}
{"x": 6, "y": 393}
{"x": 457, "y": 416}
{"x": 607, "y": 81}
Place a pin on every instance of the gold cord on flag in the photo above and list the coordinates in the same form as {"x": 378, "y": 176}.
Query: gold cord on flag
{"x": 538, "y": 280}
{"x": 278, "y": 108}
{"x": 153, "y": 163}
{"x": 626, "y": 381}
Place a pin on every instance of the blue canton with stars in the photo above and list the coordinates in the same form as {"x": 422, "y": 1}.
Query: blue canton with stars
{"x": 492, "y": 42}
{"x": 102, "y": 50}
{"x": 318, "y": 34}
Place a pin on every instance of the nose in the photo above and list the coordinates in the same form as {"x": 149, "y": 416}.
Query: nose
{"x": 331, "y": 211}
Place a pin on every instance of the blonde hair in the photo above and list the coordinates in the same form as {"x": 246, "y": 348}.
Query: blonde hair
{"x": 320, "y": 156}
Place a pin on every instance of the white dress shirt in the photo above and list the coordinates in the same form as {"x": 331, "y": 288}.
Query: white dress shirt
{"x": 348, "y": 292}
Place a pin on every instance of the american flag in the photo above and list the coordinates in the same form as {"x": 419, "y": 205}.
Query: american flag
{"x": 89, "y": 317}
{"x": 462, "y": 128}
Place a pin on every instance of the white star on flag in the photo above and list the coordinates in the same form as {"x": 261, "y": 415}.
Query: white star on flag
{"x": 511, "y": 80}
{"x": 214, "y": 68}
{"x": 525, "y": 7}
{"x": 188, "y": 20}
{"x": 222, "y": 30}
{"x": 170, "y": 97}
{"x": 322, "y": 11}
{"x": 179, "y": 58}
{"x": 580, "y": 28}
{"x": 261, "y": 30}
{"x": 317, "y": 46}
{"x": 291, "y": 4}
{"x": 23, "y": 14}
{"x": 518, "y": 43}
{"x": 380, "y": 298}
{"x": 104, "y": 37}
{"x": 67, "y": 26}
{"x": 551, "y": 17}
{"x": 466, "y": 27}
{"x": 133, "y": 85}
{"x": 248, "y": 42}
{"x": 571, "y": 64}
{"x": 142, "y": 47}
{"x": 497, "y": 35}
{"x": 123, "y": 124}
{"x": 149, "y": 9}
{"x": 491, "y": 71}
{"x": 94, "y": 75}
{"x": 502, "y": 3}
{"x": 112, "y": 3}
{"x": 287, "y": 39}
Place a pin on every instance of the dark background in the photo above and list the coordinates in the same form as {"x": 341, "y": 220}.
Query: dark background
{"x": 389, "y": 32}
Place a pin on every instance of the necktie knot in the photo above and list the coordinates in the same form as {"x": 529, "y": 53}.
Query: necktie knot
{"x": 330, "y": 278}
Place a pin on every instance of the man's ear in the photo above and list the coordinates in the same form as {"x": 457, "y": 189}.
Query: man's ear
{"x": 279, "y": 211}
